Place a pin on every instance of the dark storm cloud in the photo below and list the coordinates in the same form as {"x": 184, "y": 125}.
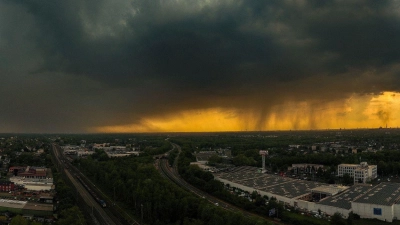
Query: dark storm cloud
{"x": 112, "y": 62}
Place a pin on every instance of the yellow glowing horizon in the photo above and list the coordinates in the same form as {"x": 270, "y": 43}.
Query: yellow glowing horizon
{"x": 357, "y": 111}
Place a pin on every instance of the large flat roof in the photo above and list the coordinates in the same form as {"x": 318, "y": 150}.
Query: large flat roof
{"x": 283, "y": 186}
{"x": 329, "y": 189}
{"x": 344, "y": 199}
{"x": 204, "y": 156}
{"x": 292, "y": 188}
{"x": 239, "y": 173}
{"x": 39, "y": 206}
{"x": 12, "y": 203}
{"x": 382, "y": 194}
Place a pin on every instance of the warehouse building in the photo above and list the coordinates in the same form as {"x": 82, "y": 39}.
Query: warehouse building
{"x": 297, "y": 193}
{"x": 24, "y": 207}
{"x": 342, "y": 202}
{"x": 381, "y": 201}
{"x": 34, "y": 184}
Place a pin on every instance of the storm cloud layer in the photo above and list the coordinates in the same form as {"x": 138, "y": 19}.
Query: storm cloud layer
{"x": 67, "y": 66}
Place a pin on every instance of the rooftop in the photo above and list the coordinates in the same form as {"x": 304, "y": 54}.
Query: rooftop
{"x": 12, "y": 203}
{"x": 354, "y": 165}
{"x": 329, "y": 189}
{"x": 343, "y": 200}
{"x": 39, "y": 206}
{"x": 381, "y": 194}
{"x": 292, "y": 188}
{"x": 204, "y": 156}
{"x": 283, "y": 186}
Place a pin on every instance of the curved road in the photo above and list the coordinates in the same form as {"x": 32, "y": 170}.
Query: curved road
{"x": 172, "y": 174}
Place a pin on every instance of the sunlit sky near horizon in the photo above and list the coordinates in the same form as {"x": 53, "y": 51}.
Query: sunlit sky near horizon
{"x": 357, "y": 112}
{"x": 194, "y": 66}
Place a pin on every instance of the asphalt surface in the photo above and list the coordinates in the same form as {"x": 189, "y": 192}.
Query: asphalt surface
{"x": 172, "y": 174}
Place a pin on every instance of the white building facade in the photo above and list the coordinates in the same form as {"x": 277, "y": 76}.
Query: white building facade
{"x": 362, "y": 171}
{"x": 381, "y": 202}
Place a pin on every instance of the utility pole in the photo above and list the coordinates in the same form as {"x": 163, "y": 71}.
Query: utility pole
{"x": 141, "y": 210}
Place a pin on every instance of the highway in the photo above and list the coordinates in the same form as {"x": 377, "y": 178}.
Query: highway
{"x": 172, "y": 174}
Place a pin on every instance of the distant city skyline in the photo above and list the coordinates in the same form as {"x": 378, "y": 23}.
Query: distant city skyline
{"x": 198, "y": 66}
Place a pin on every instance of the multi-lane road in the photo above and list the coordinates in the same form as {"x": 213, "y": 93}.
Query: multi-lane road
{"x": 171, "y": 172}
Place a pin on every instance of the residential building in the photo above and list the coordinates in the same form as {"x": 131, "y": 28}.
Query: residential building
{"x": 6, "y": 186}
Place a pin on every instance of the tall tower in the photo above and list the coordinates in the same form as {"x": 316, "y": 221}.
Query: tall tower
{"x": 263, "y": 153}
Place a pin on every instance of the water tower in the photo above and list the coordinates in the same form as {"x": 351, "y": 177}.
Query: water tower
{"x": 263, "y": 153}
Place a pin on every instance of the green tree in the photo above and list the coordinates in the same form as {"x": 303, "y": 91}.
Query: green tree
{"x": 350, "y": 219}
{"x": 242, "y": 160}
{"x": 19, "y": 220}
{"x": 71, "y": 216}
{"x": 347, "y": 180}
{"x": 214, "y": 159}
{"x": 35, "y": 223}
{"x": 337, "y": 219}
{"x": 382, "y": 168}
{"x": 254, "y": 195}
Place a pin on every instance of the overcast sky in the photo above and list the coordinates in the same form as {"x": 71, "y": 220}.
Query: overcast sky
{"x": 85, "y": 65}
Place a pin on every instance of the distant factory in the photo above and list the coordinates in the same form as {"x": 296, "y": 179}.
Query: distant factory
{"x": 111, "y": 151}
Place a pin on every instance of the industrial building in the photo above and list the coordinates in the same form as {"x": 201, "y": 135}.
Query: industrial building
{"x": 297, "y": 193}
{"x": 381, "y": 201}
{"x": 342, "y": 202}
{"x": 34, "y": 184}
{"x": 359, "y": 172}
{"x": 30, "y": 172}
{"x": 32, "y": 178}
{"x": 305, "y": 168}
{"x": 24, "y": 207}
